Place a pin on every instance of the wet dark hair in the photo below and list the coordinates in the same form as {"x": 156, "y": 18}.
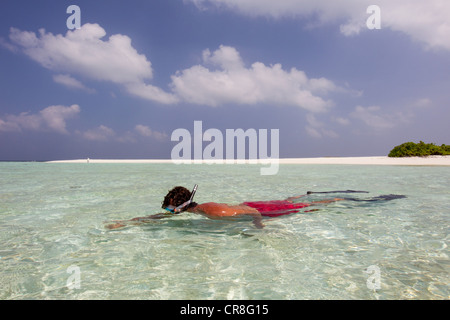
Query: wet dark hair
{"x": 177, "y": 196}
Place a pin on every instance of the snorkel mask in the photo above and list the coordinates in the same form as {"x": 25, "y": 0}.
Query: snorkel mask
{"x": 180, "y": 208}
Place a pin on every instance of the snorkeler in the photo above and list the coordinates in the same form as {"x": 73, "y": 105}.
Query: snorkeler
{"x": 180, "y": 199}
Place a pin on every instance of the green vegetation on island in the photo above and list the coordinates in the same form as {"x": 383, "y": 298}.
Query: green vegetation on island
{"x": 421, "y": 149}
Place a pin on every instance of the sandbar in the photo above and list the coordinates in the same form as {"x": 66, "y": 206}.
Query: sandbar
{"x": 376, "y": 160}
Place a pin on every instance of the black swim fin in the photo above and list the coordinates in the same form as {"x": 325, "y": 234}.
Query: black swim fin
{"x": 386, "y": 197}
{"x": 338, "y": 191}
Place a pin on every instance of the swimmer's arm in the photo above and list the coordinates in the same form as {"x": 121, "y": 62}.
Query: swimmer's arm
{"x": 137, "y": 221}
{"x": 257, "y": 220}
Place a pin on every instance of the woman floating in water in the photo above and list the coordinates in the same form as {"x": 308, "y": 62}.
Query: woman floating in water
{"x": 180, "y": 199}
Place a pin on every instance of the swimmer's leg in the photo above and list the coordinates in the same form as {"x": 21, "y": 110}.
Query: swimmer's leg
{"x": 290, "y": 199}
{"x": 327, "y": 201}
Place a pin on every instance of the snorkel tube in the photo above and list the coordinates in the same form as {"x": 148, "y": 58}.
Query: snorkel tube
{"x": 184, "y": 205}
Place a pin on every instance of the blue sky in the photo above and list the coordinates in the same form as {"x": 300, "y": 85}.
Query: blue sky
{"x": 137, "y": 70}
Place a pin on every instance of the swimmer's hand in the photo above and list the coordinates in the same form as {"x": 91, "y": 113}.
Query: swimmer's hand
{"x": 113, "y": 226}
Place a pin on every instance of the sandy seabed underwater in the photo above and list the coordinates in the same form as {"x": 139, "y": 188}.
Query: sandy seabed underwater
{"x": 54, "y": 244}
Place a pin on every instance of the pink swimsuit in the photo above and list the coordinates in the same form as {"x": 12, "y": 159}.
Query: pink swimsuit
{"x": 276, "y": 208}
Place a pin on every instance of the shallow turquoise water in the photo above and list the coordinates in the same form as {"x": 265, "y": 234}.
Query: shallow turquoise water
{"x": 52, "y": 219}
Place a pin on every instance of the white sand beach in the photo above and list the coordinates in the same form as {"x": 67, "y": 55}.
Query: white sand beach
{"x": 381, "y": 160}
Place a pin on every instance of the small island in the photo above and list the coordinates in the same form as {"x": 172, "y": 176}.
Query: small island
{"x": 421, "y": 149}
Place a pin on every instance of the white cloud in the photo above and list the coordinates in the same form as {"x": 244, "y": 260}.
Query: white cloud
{"x": 23, "y": 121}
{"x": 342, "y": 121}
{"x": 423, "y": 103}
{"x": 52, "y": 118}
{"x": 283, "y": 8}
{"x": 424, "y": 21}
{"x": 101, "y": 133}
{"x": 84, "y": 53}
{"x": 70, "y": 82}
{"x": 55, "y": 116}
{"x": 351, "y": 28}
{"x": 229, "y": 81}
{"x": 5, "y": 44}
{"x": 318, "y": 129}
{"x": 373, "y": 117}
{"x": 222, "y": 78}
{"x": 150, "y": 92}
{"x": 8, "y": 126}
{"x": 145, "y": 131}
